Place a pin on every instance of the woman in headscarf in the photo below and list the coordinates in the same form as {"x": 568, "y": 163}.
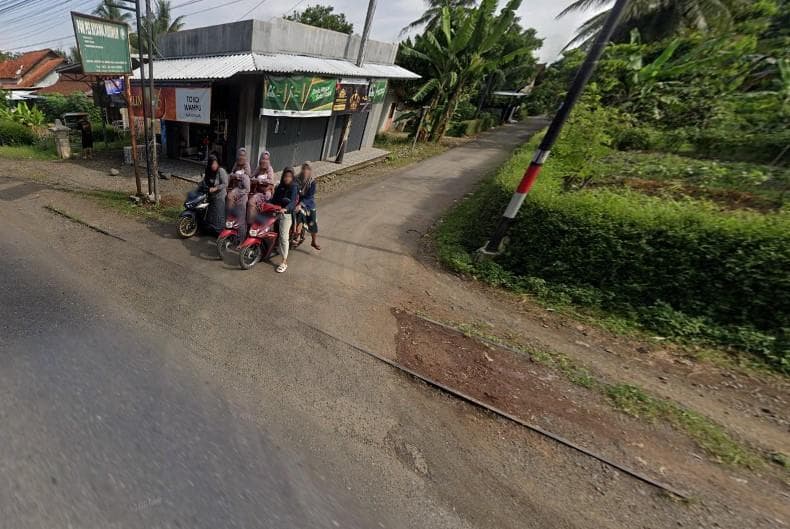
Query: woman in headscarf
{"x": 262, "y": 184}
{"x": 306, "y": 210}
{"x": 215, "y": 183}
{"x": 286, "y": 195}
{"x": 239, "y": 189}
{"x": 241, "y": 163}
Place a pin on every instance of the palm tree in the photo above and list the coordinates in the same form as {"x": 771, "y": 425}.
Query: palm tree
{"x": 107, "y": 10}
{"x": 431, "y": 17}
{"x": 162, "y": 22}
{"x": 655, "y": 19}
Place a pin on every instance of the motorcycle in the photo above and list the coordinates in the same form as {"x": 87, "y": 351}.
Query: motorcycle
{"x": 193, "y": 218}
{"x": 229, "y": 237}
{"x": 262, "y": 239}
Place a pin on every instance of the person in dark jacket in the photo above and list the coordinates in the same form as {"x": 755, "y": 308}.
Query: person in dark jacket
{"x": 215, "y": 184}
{"x": 305, "y": 211}
{"x": 286, "y": 195}
{"x": 86, "y": 131}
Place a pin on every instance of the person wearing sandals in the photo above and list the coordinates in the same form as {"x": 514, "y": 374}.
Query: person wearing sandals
{"x": 286, "y": 195}
{"x": 262, "y": 184}
{"x": 306, "y": 210}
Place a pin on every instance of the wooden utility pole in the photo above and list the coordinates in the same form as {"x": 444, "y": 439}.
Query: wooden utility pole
{"x": 127, "y": 92}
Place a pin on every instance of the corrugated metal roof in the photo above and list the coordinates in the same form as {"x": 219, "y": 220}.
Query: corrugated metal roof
{"x": 225, "y": 66}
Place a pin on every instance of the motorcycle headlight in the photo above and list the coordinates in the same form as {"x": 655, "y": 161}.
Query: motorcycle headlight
{"x": 254, "y": 233}
{"x": 230, "y": 225}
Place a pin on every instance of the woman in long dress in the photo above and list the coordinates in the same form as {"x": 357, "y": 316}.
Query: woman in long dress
{"x": 262, "y": 182}
{"x": 238, "y": 190}
{"x": 215, "y": 183}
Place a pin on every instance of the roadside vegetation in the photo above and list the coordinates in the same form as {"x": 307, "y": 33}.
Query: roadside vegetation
{"x": 663, "y": 204}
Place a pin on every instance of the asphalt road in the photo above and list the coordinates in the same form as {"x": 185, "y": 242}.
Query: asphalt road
{"x": 102, "y": 427}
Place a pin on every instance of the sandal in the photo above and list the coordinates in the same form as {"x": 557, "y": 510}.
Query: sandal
{"x": 314, "y": 245}
{"x": 282, "y": 268}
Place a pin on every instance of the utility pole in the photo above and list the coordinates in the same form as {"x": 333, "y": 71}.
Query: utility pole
{"x": 363, "y": 44}
{"x": 142, "y": 90}
{"x": 492, "y": 246}
{"x": 127, "y": 92}
{"x": 154, "y": 160}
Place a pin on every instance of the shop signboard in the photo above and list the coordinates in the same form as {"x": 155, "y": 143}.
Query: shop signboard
{"x": 175, "y": 103}
{"x": 378, "y": 89}
{"x": 298, "y": 96}
{"x": 351, "y": 95}
{"x": 103, "y": 45}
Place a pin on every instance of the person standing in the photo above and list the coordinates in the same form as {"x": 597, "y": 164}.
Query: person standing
{"x": 86, "y": 132}
{"x": 286, "y": 195}
{"x": 306, "y": 210}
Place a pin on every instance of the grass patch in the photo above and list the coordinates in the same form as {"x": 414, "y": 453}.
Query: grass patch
{"x": 27, "y": 152}
{"x": 401, "y": 153}
{"x": 636, "y": 402}
{"x": 167, "y": 211}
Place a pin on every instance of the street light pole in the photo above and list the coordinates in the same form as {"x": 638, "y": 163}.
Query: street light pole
{"x": 493, "y": 245}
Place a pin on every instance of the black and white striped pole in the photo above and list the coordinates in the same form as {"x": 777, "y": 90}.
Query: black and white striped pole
{"x": 493, "y": 245}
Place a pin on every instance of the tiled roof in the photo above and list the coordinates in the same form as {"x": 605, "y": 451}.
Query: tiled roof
{"x": 29, "y": 68}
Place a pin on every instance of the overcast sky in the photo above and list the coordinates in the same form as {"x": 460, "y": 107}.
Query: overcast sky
{"x": 391, "y": 16}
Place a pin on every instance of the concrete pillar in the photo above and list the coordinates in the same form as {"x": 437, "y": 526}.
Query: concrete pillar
{"x": 372, "y": 125}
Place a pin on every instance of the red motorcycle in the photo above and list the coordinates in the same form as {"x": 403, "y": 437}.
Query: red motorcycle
{"x": 229, "y": 237}
{"x": 262, "y": 239}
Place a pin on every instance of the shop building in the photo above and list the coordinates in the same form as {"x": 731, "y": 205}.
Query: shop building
{"x": 276, "y": 85}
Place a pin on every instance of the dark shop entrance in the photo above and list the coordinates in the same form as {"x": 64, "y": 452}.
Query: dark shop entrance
{"x": 291, "y": 141}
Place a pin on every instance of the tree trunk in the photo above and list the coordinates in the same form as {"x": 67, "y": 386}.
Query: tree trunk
{"x": 440, "y": 127}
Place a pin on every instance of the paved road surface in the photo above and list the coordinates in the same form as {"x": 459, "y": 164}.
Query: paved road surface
{"x": 144, "y": 384}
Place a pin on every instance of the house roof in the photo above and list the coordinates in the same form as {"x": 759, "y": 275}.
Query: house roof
{"x": 66, "y": 87}
{"x": 27, "y": 70}
{"x": 225, "y": 66}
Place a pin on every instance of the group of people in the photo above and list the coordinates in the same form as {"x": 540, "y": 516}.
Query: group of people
{"x": 243, "y": 192}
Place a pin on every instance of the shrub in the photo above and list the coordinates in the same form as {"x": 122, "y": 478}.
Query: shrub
{"x": 13, "y": 133}
{"x": 633, "y": 138}
{"x": 680, "y": 268}
{"x": 55, "y": 105}
{"x": 732, "y": 145}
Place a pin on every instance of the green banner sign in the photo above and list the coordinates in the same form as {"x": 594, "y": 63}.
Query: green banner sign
{"x": 298, "y": 96}
{"x": 103, "y": 45}
{"x": 378, "y": 89}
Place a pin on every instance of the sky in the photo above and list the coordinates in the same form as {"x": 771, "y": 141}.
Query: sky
{"x": 48, "y": 23}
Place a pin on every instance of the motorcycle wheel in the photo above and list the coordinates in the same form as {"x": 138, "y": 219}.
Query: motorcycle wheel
{"x": 249, "y": 256}
{"x": 224, "y": 244}
{"x": 187, "y": 227}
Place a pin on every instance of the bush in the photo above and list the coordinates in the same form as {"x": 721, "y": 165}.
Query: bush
{"x": 55, "y": 105}
{"x": 633, "y": 138}
{"x": 13, "y": 133}
{"x": 761, "y": 147}
{"x": 680, "y": 268}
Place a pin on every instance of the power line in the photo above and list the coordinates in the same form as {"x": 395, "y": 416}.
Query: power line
{"x": 293, "y": 7}
{"x": 51, "y": 17}
{"x": 259, "y": 4}
{"x": 42, "y": 42}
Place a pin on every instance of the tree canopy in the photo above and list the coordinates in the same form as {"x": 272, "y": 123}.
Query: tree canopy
{"x": 322, "y": 16}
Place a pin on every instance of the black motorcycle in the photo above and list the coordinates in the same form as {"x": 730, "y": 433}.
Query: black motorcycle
{"x": 193, "y": 218}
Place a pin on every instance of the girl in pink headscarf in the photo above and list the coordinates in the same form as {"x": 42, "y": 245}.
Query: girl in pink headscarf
{"x": 262, "y": 182}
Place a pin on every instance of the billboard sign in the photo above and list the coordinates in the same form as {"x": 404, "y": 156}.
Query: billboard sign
{"x": 298, "y": 96}
{"x": 378, "y": 89}
{"x": 174, "y": 103}
{"x": 351, "y": 96}
{"x": 103, "y": 45}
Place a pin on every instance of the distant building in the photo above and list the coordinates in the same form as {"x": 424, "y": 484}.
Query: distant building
{"x": 279, "y": 85}
{"x": 30, "y": 71}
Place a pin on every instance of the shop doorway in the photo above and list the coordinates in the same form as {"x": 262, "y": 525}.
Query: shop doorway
{"x": 291, "y": 141}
